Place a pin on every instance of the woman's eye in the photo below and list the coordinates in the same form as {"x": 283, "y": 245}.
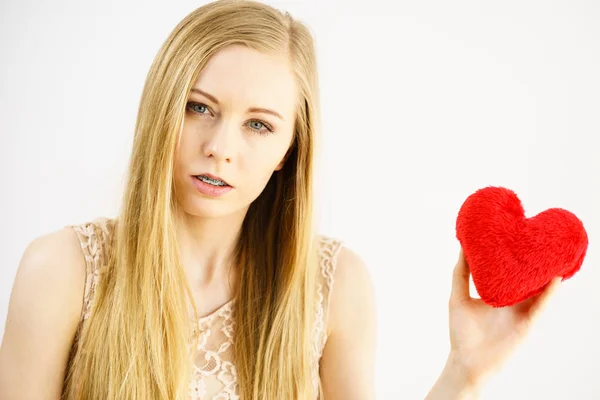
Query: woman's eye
{"x": 257, "y": 125}
{"x": 197, "y": 107}
{"x": 260, "y": 127}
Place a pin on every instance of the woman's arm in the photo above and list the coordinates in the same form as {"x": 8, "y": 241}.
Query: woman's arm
{"x": 348, "y": 361}
{"x": 454, "y": 383}
{"x": 43, "y": 314}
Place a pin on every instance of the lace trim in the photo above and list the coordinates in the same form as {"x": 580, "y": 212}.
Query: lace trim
{"x": 328, "y": 250}
{"x": 94, "y": 257}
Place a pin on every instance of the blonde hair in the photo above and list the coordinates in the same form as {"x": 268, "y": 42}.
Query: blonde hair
{"x": 135, "y": 345}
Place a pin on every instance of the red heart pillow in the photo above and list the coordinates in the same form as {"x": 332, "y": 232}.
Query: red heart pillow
{"x": 512, "y": 257}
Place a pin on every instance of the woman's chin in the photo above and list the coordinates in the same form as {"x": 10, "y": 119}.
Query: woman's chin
{"x": 211, "y": 208}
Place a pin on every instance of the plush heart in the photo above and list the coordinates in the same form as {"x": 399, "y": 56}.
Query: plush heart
{"x": 512, "y": 257}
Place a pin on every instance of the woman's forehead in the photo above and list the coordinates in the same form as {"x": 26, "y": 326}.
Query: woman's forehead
{"x": 238, "y": 76}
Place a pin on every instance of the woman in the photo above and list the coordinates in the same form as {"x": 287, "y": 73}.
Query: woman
{"x": 211, "y": 284}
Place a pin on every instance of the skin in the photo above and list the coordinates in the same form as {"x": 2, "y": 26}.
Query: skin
{"x": 222, "y": 137}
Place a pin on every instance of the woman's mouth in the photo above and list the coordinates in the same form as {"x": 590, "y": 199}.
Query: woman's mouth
{"x": 210, "y": 186}
{"x": 212, "y": 181}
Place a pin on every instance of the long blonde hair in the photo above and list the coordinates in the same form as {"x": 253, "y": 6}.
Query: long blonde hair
{"x": 136, "y": 344}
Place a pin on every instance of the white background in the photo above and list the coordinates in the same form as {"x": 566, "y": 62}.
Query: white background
{"x": 423, "y": 103}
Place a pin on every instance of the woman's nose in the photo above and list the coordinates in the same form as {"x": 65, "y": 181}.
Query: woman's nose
{"x": 219, "y": 144}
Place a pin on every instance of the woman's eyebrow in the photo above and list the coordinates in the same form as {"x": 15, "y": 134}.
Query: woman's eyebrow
{"x": 251, "y": 109}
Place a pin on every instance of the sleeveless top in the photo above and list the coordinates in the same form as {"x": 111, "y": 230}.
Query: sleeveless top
{"x": 214, "y": 374}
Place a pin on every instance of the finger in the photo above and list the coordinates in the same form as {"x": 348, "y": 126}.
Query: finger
{"x": 541, "y": 300}
{"x": 526, "y": 305}
{"x": 460, "y": 280}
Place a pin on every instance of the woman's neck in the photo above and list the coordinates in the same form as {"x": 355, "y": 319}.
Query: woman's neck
{"x": 207, "y": 247}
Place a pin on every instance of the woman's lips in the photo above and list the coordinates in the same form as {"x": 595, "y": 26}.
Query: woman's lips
{"x": 210, "y": 190}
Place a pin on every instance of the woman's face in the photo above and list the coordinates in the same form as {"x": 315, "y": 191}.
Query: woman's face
{"x": 238, "y": 127}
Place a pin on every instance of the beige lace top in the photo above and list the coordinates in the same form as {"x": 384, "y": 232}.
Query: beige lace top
{"x": 214, "y": 368}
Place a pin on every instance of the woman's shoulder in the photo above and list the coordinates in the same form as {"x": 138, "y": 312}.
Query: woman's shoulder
{"x": 338, "y": 261}
{"x": 57, "y": 253}
{"x": 348, "y": 280}
{"x": 352, "y": 278}
{"x": 45, "y": 305}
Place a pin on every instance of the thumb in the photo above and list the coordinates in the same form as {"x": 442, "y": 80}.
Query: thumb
{"x": 460, "y": 280}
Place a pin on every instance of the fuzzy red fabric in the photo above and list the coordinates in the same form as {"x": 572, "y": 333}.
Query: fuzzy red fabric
{"x": 512, "y": 257}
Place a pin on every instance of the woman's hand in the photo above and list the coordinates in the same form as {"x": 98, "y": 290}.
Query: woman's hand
{"x": 481, "y": 336}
